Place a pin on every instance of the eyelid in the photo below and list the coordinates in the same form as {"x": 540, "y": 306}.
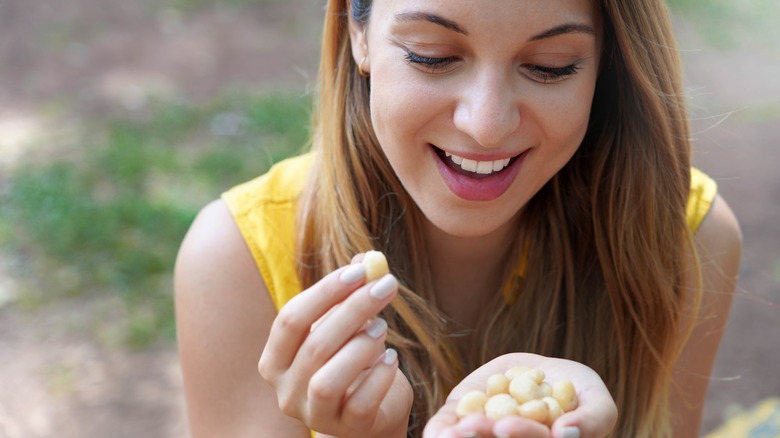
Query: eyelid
{"x": 428, "y": 62}
{"x": 546, "y": 74}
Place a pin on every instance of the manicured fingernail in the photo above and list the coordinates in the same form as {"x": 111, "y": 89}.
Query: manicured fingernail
{"x": 383, "y": 287}
{"x": 570, "y": 432}
{"x": 466, "y": 433}
{"x": 376, "y": 328}
{"x": 353, "y": 273}
{"x": 390, "y": 356}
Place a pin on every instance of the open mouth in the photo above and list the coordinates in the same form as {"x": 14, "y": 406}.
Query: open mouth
{"x": 473, "y": 168}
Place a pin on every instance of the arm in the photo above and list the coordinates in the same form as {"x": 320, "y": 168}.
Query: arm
{"x": 223, "y": 315}
{"x": 719, "y": 245}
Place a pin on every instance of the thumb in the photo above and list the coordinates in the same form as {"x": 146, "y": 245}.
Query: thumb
{"x": 595, "y": 417}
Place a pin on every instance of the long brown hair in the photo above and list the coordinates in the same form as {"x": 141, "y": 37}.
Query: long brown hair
{"x": 608, "y": 277}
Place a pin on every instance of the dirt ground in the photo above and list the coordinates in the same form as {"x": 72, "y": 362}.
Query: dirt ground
{"x": 60, "y": 378}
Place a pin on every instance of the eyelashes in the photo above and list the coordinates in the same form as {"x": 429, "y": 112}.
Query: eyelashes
{"x": 551, "y": 74}
{"x": 432, "y": 64}
{"x": 539, "y": 73}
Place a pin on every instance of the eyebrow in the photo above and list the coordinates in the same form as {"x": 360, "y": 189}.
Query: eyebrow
{"x": 564, "y": 29}
{"x": 451, "y": 25}
{"x": 432, "y": 18}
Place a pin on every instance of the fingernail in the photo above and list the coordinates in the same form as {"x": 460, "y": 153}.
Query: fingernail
{"x": 376, "y": 328}
{"x": 570, "y": 432}
{"x": 353, "y": 273}
{"x": 390, "y": 356}
{"x": 383, "y": 287}
{"x": 467, "y": 433}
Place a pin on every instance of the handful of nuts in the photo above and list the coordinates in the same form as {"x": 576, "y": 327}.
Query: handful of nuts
{"x": 520, "y": 391}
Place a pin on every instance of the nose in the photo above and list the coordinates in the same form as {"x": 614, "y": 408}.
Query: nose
{"x": 487, "y": 109}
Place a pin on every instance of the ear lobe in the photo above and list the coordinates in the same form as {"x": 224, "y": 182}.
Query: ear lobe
{"x": 357, "y": 39}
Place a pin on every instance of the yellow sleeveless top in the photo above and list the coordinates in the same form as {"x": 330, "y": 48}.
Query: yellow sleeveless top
{"x": 265, "y": 210}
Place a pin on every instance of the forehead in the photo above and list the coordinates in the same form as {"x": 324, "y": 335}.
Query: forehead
{"x": 491, "y": 17}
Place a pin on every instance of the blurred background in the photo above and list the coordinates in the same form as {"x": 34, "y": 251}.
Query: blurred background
{"x": 119, "y": 119}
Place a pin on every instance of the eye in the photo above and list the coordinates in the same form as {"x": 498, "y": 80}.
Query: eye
{"x": 434, "y": 65}
{"x": 551, "y": 74}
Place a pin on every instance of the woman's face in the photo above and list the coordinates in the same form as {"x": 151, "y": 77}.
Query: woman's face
{"x": 478, "y": 104}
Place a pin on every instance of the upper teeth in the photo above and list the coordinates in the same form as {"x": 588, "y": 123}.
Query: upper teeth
{"x": 482, "y": 167}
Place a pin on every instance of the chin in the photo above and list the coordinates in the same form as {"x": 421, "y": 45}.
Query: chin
{"x": 460, "y": 224}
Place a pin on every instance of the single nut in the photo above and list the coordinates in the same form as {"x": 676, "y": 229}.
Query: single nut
{"x": 536, "y": 410}
{"x": 553, "y": 408}
{"x": 473, "y": 402}
{"x": 516, "y": 371}
{"x": 563, "y": 392}
{"x": 500, "y": 406}
{"x": 535, "y": 374}
{"x": 497, "y": 384}
{"x": 376, "y": 265}
{"x": 546, "y": 389}
{"x": 524, "y": 389}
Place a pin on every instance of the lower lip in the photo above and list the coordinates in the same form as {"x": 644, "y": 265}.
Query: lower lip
{"x": 484, "y": 188}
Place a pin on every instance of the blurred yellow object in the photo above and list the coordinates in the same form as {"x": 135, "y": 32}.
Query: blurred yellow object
{"x": 762, "y": 421}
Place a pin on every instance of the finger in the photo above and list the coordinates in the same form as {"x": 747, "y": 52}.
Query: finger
{"x": 364, "y": 402}
{"x": 344, "y": 322}
{"x": 595, "y": 417}
{"x": 329, "y": 385}
{"x": 293, "y": 323}
{"x": 357, "y": 258}
{"x": 446, "y": 423}
{"x": 516, "y": 427}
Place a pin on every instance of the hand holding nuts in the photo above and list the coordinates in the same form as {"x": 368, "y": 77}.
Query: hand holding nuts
{"x": 520, "y": 391}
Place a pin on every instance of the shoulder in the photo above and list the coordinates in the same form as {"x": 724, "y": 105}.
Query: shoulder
{"x": 719, "y": 247}
{"x": 214, "y": 246}
{"x": 719, "y": 239}
{"x": 216, "y": 282}
{"x": 223, "y": 317}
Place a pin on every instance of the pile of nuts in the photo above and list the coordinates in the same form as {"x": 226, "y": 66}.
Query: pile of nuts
{"x": 520, "y": 391}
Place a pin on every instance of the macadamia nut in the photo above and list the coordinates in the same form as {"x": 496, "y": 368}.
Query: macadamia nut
{"x": 375, "y": 264}
{"x": 524, "y": 389}
{"x": 563, "y": 392}
{"x": 536, "y": 410}
{"x": 553, "y": 408}
{"x": 521, "y": 391}
{"x": 471, "y": 403}
{"x": 500, "y": 406}
{"x": 497, "y": 384}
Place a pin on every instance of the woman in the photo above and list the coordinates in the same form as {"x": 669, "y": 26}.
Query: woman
{"x": 525, "y": 167}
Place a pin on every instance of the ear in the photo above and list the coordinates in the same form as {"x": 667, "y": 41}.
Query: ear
{"x": 357, "y": 38}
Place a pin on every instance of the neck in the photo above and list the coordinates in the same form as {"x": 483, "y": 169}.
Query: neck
{"x": 467, "y": 270}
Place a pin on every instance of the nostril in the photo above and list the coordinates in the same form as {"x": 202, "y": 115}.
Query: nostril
{"x": 489, "y": 125}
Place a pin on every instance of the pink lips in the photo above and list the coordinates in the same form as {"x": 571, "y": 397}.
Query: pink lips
{"x": 481, "y": 187}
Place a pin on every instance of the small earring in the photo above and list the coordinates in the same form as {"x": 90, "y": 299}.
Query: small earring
{"x": 362, "y": 72}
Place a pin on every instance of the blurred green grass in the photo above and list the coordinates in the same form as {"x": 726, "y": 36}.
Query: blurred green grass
{"x": 111, "y": 218}
{"x": 725, "y": 23}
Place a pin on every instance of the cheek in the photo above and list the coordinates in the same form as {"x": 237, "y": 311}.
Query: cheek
{"x": 565, "y": 116}
{"x": 400, "y": 107}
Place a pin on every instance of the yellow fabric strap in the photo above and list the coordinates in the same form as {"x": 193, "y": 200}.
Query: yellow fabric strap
{"x": 703, "y": 191}
{"x": 265, "y": 211}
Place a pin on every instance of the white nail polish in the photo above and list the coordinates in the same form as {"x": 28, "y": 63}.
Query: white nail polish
{"x": 376, "y": 328}
{"x": 390, "y": 356}
{"x": 353, "y": 273}
{"x": 383, "y": 287}
{"x": 570, "y": 432}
